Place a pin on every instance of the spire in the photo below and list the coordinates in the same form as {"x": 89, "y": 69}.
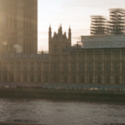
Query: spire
{"x": 60, "y": 30}
{"x": 49, "y": 27}
{"x": 69, "y": 34}
{"x": 50, "y": 33}
{"x": 69, "y": 29}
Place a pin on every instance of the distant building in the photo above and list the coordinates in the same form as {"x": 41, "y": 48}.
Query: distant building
{"x": 66, "y": 64}
{"x": 18, "y": 25}
{"x": 99, "y": 61}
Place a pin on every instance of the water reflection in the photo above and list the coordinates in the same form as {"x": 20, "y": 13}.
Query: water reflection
{"x": 60, "y": 113}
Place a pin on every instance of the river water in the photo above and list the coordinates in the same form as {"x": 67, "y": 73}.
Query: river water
{"x": 60, "y": 113}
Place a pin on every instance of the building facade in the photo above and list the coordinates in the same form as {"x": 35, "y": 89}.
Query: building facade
{"x": 65, "y": 64}
{"x": 18, "y": 25}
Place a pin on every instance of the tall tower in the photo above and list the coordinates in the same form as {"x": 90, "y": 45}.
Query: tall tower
{"x": 59, "y": 41}
{"x": 18, "y": 24}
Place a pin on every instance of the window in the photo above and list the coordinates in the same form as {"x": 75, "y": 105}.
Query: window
{"x": 98, "y": 67}
{"x": 90, "y": 67}
{"x": 55, "y": 49}
{"x": 46, "y": 66}
{"x": 65, "y": 79}
{"x": 81, "y": 57}
{"x": 39, "y": 78}
{"x": 123, "y": 66}
{"x": 5, "y": 78}
{"x": 123, "y": 79}
{"x": 98, "y": 57}
{"x": 18, "y": 66}
{"x": 65, "y": 58}
{"x": 25, "y": 67}
{"x": 107, "y": 67}
{"x": 116, "y": 67}
{"x": 46, "y": 78}
{"x": 54, "y": 67}
{"x": 32, "y": 66}
{"x": 81, "y": 66}
{"x": 99, "y": 79}
{"x": 117, "y": 79}
{"x": 73, "y": 67}
{"x": 65, "y": 67}
{"x": 55, "y": 78}
{"x": 73, "y": 57}
{"x": 32, "y": 78}
{"x": 38, "y": 65}
{"x": 74, "y": 79}
{"x": 90, "y": 79}
{"x": 82, "y": 79}
{"x": 5, "y": 67}
{"x": 11, "y": 65}
{"x": 90, "y": 57}
{"x": 18, "y": 78}
{"x": 25, "y": 78}
{"x": 107, "y": 57}
{"x": 116, "y": 57}
{"x": 107, "y": 79}
{"x": 12, "y": 78}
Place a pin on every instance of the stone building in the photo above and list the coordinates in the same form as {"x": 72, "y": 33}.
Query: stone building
{"x": 18, "y": 25}
{"x": 100, "y": 61}
{"x": 65, "y": 64}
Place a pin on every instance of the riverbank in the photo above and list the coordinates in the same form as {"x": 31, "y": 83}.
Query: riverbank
{"x": 117, "y": 97}
{"x": 16, "y": 123}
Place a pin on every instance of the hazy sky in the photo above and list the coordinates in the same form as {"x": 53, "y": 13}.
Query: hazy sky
{"x": 73, "y": 13}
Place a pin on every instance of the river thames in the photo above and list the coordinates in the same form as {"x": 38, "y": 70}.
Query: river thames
{"x": 60, "y": 113}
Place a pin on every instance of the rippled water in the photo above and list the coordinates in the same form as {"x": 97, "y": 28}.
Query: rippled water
{"x": 60, "y": 113}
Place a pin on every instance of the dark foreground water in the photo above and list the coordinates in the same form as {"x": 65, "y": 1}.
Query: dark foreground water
{"x": 60, "y": 113}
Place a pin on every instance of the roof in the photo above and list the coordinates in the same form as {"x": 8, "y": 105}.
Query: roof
{"x": 103, "y": 41}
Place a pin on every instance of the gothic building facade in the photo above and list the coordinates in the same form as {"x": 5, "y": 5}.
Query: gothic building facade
{"x": 64, "y": 64}
{"x": 18, "y": 25}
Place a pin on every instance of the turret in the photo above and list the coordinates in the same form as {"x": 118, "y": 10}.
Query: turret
{"x": 69, "y": 36}
{"x": 60, "y": 30}
{"x": 50, "y": 33}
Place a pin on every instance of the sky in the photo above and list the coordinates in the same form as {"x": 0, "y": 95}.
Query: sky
{"x": 73, "y": 13}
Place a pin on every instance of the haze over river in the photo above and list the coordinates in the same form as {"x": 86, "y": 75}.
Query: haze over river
{"x": 60, "y": 113}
